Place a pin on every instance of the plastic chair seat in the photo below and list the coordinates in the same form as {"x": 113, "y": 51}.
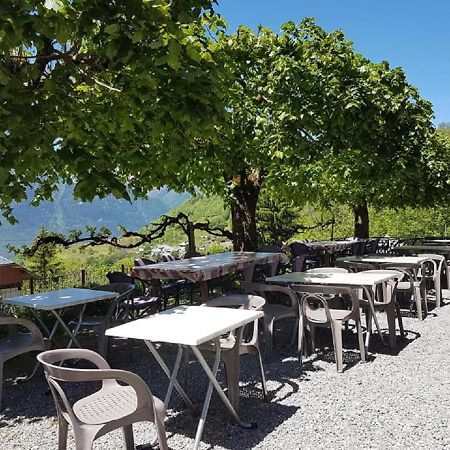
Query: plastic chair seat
{"x": 106, "y": 405}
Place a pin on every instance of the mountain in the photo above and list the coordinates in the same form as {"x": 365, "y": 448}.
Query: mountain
{"x": 65, "y": 213}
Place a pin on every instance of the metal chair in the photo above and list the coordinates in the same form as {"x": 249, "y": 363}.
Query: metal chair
{"x": 16, "y": 343}
{"x": 275, "y": 311}
{"x": 113, "y": 406}
{"x": 101, "y": 323}
{"x": 234, "y": 345}
{"x": 316, "y": 313}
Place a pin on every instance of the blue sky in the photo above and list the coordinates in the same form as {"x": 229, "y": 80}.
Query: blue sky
{"x": 412, "y": 34}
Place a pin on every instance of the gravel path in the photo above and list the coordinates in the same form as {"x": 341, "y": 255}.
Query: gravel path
{"x": 393, "y": 401}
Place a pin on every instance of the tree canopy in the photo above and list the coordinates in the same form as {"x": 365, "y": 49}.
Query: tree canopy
{"x": 99, "y": 93}
{"x": 121, "y": 97}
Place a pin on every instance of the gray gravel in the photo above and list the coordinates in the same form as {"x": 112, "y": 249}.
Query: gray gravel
{"x": 393, "y": 401}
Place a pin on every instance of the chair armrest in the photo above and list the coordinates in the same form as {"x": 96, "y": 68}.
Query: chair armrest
{"x": 30, "y": 326}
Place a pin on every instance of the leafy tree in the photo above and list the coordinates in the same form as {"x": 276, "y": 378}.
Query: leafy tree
{"x": 44, "y": 262}
{"x": 102, "y": 94}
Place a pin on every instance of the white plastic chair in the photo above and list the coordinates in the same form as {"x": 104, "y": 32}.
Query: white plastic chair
{"x": 16, "y": 343}
{"x": 317, "y": 313}
{"x": 275, "y": 311}
{"x": 113, "y": 406}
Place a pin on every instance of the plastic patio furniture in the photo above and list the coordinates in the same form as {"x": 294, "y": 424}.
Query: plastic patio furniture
{"x": 317, "y": 313}
{"x": 275, "y": 311}
{"x": 100, "y": 324}
{"x": 16, "y": 343}
{"x": 138, "y": 305}
{"x": 432, "y": 272}
{"x": 327, "y": 270}
{"x": 413, "y": 286}
{"x": 113, "y": 406}
{"x": 233, "y": 344}
{"x": 384, "y": 298}
{"x": 188, "y": 327}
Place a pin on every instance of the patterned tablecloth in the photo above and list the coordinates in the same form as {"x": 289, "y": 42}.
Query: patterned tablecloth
{"x": 330, "y": 246}
{"x": 208, "y": 267}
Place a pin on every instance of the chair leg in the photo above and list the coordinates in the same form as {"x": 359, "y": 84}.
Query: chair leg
{"x": 437, "y": 288}
{"x": 1, "y": 384}
{"x": 263, "y": 376}
{"x": 336, "y": 331}
{"x": 369, "y": 326}
{"x": 268, "y": 337}
{"x": 301, "y": 347}
{"x": 362, "y": 348}
{"x": 312, "y": 332}
{"x": 161, "y": 431}
{"x": 400, "y": 319}
{"x": 390, "y": 312}
{"x": 62, "y": 432}
{"x": 128, "y": 437}
{"x": 418, "y": 299}
{"x": 232, "y": 370}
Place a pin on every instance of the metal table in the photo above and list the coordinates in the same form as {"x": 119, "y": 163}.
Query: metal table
{"x": 57, "y": 302}
{"x": 190, "y": 326}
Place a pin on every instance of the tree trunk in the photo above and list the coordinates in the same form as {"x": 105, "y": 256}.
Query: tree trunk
{"x": 243, "y": 214}
{"x": 361, "y": 221}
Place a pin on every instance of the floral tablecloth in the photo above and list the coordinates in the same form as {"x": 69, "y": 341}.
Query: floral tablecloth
{"x": 208, "y": 267}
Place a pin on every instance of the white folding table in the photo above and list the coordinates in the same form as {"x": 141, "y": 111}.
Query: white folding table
{"x": 189, "y": 326}
{"x": 352, "y": 280}
{"x": 57, "y": 302}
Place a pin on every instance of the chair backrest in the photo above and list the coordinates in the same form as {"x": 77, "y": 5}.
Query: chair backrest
{"x": 262, "y": 289}
{"x": 313, "y": 301}
{"x": 119, "y": 277}
{"x": 359, "y": 266}
{"x": 124, "y": 290}
{"x": 241, "y": 301}
{"x": 299, "y": 248}
{"x": 55, "y": 373}
{"x": 386, "y": 292}
{"x": 434, "y": 264}
{"x": 327, "y": 270}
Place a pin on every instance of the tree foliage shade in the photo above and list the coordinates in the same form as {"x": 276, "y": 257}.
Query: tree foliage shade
{"x": 100, "y": 93}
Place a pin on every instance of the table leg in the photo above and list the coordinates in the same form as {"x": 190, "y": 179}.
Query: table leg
{"x": 247, "y": 273}
{"x": 66, "y": 328}
{"x": 204, "y": 292}
{"x": 77, "y": 327}
{"x": 172, "y": 376}
{"x": 216, "y": 385}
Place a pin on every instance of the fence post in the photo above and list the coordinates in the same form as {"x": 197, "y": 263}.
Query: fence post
{"x": 31, "y": 285}
{"x": 83, "y": 277}
{"x": 123, "y": 268}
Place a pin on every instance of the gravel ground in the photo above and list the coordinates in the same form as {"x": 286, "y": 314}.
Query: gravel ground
{"x": 393, "y": 401}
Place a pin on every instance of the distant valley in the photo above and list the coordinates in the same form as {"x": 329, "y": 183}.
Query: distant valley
{"x": 65, "y": 213}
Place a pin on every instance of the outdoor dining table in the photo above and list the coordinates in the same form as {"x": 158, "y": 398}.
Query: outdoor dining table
{"x": 330, "y": 247}
{"x": 417, "y": 249}
{"x": 189, "y": 327}
{"x": 203, "y": 268}
{"x": 357, "y": 280}
{"x": 57, "y": 302}
{"x": 400, "y": 261}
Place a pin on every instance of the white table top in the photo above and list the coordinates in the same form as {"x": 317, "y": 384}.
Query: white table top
{"x": 186, "y": 325}
{"x": 61, "y": 298}
{"x": 400, "y": 260}
{"x": 344, "y": 279}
